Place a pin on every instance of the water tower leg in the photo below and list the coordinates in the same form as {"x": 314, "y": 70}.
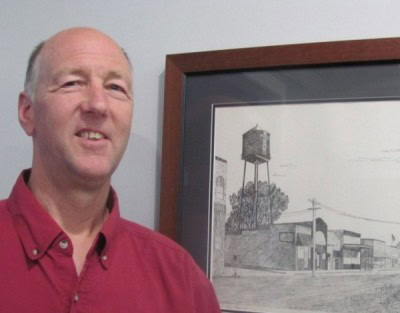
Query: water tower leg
{"x": 269, "y": 196}
{"x": 255, "y": 192}
{"x": 241, "y": 198}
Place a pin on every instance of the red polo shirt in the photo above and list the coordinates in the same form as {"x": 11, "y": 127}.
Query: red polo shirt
{"x": 129, "y": 268}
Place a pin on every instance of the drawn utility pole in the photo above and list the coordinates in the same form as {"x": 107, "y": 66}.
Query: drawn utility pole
{"x": 313, "y": 209}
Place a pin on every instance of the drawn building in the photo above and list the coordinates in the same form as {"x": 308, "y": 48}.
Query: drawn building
{"x": 285, "y": 246}
{"x": 219, "y": 215}
{"x": 393, "y": 254}
{"x": 334, "y": 250}
{"x": 353, "y": 253}
{"x": 379, "y": 254}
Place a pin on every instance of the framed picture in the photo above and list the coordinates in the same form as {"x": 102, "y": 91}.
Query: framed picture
{"x": 280, "y": 173}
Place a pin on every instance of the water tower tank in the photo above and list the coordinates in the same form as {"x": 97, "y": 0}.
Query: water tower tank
{"x": 256, "y": 145}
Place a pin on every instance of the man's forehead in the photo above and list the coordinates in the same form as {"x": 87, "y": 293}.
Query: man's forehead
{"x": 75, "y": 59}
{"x": 69, "y": 48}
{"x": 82, "y": 35}
{"x": 77, "y": 41}
{"x": 83, "y": 44}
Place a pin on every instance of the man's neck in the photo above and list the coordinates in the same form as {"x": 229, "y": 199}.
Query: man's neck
{"x": 79, "y": 211}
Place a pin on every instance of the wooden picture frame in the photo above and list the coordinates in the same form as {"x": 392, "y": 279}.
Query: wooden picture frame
{"x": 186, "y": 177}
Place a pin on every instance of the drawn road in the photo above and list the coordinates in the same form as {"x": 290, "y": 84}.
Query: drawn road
{"x": 369, "y": 292}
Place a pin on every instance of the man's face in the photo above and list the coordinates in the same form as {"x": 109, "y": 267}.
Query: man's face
{"x": 82, "y": 108}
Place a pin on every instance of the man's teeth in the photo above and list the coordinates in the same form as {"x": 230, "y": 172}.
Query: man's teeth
{"x": 91, "y": 135}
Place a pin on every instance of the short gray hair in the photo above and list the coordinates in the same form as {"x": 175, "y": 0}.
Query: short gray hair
{"x": 32, "y": 70}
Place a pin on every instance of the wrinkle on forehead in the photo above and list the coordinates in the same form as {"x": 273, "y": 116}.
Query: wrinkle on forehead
{"x": 83, "y": 41}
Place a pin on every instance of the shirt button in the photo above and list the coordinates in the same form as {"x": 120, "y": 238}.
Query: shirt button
{"x": 76, "y": 297}
{"x": 64, "y": 244}
{"x": 104, "y": 257}
{"x": 35, "y": 251}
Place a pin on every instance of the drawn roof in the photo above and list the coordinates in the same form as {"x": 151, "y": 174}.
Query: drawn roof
{"x": 298, "y": 218}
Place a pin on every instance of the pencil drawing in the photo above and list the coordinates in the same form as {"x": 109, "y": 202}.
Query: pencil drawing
{"x": 321, "y": 233}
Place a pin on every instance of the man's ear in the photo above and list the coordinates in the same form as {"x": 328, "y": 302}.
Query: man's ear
{"x": 25, "y": 113}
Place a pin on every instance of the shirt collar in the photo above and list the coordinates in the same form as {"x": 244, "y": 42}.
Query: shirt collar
{"x": 37, "y": 229}
{"x": 110, "y": 227}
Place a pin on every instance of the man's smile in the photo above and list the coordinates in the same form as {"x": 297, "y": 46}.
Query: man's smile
{"x": 91, "y": 135}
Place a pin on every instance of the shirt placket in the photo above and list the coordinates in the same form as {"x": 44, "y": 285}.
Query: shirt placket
{"x": 61, "y": 253}
{"x": 80, "y": 303}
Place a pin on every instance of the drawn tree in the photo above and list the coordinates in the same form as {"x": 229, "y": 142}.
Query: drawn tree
{"x": 244, "y": 217}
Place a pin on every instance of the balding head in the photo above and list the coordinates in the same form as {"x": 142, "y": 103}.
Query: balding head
{"x": 79, "y": 109}
{"x": 34, "y": 62}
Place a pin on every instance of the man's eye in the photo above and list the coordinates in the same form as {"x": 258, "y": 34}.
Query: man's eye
{"x": 116, "y": 88}
{"x": 72, "y": 83}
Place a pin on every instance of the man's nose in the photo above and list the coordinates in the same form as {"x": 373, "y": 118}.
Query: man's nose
{"x": 96, "y": 100}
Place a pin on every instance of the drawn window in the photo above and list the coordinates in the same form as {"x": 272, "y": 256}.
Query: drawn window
{"x": 220, "y": 188}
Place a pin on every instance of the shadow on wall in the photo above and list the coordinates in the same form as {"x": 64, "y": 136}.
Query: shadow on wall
{"x": 13, "y": 159}
{"x": 133, "y": 181}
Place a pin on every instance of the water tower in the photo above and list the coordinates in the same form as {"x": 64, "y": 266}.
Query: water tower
{"x": 255, "y": 150}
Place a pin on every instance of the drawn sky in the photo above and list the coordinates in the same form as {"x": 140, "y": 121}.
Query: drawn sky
{"x": 346, "y": 155}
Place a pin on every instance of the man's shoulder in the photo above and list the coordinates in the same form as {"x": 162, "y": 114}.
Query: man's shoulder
{"x": 5, "y": 216}
{"x": 3, "y": 209}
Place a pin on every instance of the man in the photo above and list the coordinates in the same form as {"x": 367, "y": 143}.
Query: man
{"x": 63, "y": 245}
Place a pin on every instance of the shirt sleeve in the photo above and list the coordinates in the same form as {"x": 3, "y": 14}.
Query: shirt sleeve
{"x": 202, "y": 297}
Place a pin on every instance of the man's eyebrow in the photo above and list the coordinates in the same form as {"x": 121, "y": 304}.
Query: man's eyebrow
{"x": 82, "y": 72}
{"x": 70, "y": 71}
{"x": 118, "y": 75}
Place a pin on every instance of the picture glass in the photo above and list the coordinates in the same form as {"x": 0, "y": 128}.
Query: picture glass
{"x": 305, "y": 205}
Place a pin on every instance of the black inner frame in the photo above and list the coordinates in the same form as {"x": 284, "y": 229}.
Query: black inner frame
{"x": 344, "y": 82}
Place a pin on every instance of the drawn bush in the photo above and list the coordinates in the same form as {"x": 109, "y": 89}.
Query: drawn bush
{"x": 271, "y": 202}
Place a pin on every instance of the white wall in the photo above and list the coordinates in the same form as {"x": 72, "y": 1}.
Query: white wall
{"x": 149, "y": 30}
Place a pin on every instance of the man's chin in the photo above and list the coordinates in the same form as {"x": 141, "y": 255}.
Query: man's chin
{"x": 94, "y": 175}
